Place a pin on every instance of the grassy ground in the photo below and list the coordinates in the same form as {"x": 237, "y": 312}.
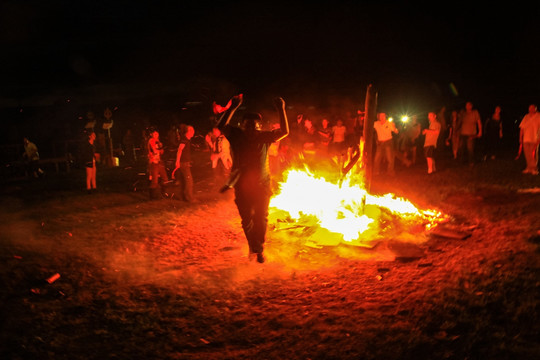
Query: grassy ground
{"x": 163, "y": 279}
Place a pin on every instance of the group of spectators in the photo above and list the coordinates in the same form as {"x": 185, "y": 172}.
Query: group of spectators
{"x": 249, "y": 155}
{"x": 334, "y": 142}
{"x": 462, "y": 134}
{"x": 326, "y": 140}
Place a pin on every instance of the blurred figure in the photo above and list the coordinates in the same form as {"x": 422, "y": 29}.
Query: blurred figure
{"x": 453, "y": 134}
{"x": 183, "y": 162}
{"x": 171, "y": 146}
{"x": 156, "y": 167}
{"x": 101, "y": 147}
{"x": 173, "y": 137}
{"x": 274, "y": 156}
{"x": 309, "y": 139}
{"x": 441, "y": 118}
{"x": 339, "y": 146}
{"x": 430, "y": 142}
{"x": 385, "y": 143}
{"x": 471, "y": 129}
{"x": 295, "y": 139}
{"x": 31, "y": 157}
{"x": 220, "y": 149}
{"x": 325, "y": 137}
{"x": 529, "y": 139}
{"x": 88, "y": 158}
{"x": 412, "y": 134}
{"x": 90, "y": 121}
{"x": 493, "y": 134}
{"x": 128, "y": 141}
{"x": 250, "y": 174}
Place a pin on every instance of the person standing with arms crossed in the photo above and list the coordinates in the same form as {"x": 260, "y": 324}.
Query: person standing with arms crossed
{"x": 250, "y": 175}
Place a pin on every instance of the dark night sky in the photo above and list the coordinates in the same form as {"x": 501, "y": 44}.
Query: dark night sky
{"x": 406, "y": 51}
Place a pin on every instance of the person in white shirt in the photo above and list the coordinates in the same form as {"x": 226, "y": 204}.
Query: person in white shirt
{"x": 430, "y": 142}
{"x": 219, "y": 149}
{"x": 385, "y": 143}
{"x": 529, "y": 139}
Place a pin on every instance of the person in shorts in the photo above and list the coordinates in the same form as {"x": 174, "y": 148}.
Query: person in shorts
{"x": 430, "y": 142}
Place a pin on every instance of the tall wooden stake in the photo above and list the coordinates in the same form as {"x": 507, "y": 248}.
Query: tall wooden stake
{"x": 369, "y": 120}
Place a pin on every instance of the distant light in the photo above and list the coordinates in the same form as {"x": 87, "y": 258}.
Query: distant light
{"x": 391, "y": 119}
{"x": 404, "y": 118}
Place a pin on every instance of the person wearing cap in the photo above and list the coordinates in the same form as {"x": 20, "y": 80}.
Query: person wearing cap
{"x": 250, "y": 174}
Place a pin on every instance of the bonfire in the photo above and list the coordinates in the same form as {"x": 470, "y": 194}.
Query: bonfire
{"x": 331, "y": 213}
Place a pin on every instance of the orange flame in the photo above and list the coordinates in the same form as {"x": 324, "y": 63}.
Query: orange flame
{"x": 346, "y": 212}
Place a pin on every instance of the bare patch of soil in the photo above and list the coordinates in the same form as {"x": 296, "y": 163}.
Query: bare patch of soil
{"x": 169, "y": 280}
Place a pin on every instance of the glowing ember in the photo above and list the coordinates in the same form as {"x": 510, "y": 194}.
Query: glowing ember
{"x": 346, "y": 213}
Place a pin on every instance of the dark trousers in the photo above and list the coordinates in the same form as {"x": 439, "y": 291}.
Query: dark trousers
{"x": 156, "y": 171}
{"x": 467, "y": 144}
{"x": 384, "y": 149}
{"x": 186, "y": 181}
{"x": 252, "y": 203}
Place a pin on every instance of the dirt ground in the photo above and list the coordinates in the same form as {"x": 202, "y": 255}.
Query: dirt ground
{"x": 164, "y": 279}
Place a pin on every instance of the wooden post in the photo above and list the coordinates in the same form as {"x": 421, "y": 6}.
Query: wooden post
{"x": 369, "y": 120}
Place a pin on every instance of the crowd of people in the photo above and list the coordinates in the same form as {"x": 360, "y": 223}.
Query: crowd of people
{"x": 322, "y": 140}
{"x": 333, "y": 143}
{"x": 249, "y": 156}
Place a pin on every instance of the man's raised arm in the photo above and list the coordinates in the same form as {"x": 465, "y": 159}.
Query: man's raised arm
{"x": 283, "y": 122}
{"x": 226, "y": 117}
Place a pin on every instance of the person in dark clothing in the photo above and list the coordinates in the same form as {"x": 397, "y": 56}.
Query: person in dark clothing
{"x": 183, "y": 162}
{"x": 88, "y": 158}
{"x": 493, "y": 134}
{"x": 250, "y": 175}
{"x": 31, "y": 157}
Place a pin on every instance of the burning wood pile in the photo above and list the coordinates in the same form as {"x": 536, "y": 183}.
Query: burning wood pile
{"x": 323, "y": 213}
